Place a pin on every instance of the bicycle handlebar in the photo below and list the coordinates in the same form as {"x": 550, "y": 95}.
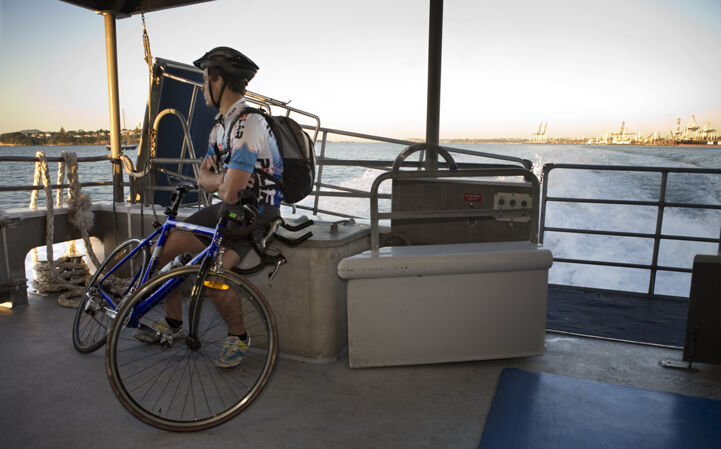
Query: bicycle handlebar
{"x": 253, "y": 219}
{"x": 298, "y": 227}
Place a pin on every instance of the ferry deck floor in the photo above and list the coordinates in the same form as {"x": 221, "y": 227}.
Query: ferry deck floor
{"x": 53, "y": 397}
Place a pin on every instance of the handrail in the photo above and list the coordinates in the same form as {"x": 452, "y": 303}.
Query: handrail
{"x": 524, "y": 162}
{"x": 52, "y": 159}
{"x": 30, "y": 188}
{"x": 57, "y": 186}
{"x": 661, "y": 204}
{"x": 258, "y": 99}
{"x": 269, "y": 102}
{"x": 187, "y": 140}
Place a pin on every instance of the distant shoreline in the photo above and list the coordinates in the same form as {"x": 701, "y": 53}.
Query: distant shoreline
{"x": 444, "y": 141}
{"x": 54, "y": 145}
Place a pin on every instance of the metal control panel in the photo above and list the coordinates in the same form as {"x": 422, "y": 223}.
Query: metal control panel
{"x": 505, "y": 201}
{"x": 502, "y": 200}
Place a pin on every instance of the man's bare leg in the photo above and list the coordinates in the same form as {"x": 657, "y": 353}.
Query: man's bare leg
{"x": 227, "y": 301}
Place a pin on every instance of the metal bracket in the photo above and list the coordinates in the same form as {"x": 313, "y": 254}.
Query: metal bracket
{"x": 334, "y": 225}
{"x": 678, "y": 364}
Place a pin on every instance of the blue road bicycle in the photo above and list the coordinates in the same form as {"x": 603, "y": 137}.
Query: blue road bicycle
{"x": 174, "y": 383}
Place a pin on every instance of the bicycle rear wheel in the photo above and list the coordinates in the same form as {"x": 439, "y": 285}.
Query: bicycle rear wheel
{"x": 92, "y": 319}
{"x": 176, "y": 385}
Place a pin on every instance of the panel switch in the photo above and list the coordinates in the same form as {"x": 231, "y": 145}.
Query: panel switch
{"x": 506, "y": 201}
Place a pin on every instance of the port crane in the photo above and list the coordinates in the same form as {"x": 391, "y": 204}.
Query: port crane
{"x": 708, "y": 132}
{"x": 540, "y": 135}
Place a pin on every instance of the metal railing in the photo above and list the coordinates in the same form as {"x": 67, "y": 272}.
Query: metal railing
{"x": 33, "y": 159}
{"x": 321, "y": 189}
{"x": 661, "y": 204}
{"x": 384, "y": 165}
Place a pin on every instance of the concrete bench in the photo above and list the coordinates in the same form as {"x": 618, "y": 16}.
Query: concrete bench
{"x": 446, "y": 303}
{"x": 307, "y": 297}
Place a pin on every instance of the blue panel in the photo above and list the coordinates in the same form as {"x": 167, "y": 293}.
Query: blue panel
{"x": 178, "y": 95}
{"x": 538, "y": 410}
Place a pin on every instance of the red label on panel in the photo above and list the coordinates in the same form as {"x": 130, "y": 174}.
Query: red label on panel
{"x": 472, "y": 197}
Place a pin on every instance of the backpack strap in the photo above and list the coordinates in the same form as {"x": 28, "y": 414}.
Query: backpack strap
{"x": 277, "y": 183}
{"x": 228, "y": 137}
{"x": 218, "y": 158}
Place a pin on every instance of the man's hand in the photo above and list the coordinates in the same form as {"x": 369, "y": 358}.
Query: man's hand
{"x": 209, "y": 163}
{"x": 208, "y": 179}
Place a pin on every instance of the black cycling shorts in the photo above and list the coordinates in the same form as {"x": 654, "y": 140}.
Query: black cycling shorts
{"x": 209, "y": 217}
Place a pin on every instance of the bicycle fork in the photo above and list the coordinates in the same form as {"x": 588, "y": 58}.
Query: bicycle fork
{"x": 195, "y": 306}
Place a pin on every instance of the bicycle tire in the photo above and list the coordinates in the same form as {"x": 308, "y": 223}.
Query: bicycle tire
{"x": 91, "y": 321}
{"x": 179, "y": 388}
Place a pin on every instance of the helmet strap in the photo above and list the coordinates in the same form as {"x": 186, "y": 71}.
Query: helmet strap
{"x": 220, "y": 96}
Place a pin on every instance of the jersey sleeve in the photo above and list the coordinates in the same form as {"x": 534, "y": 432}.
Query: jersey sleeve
{"x": 249, "y": 137}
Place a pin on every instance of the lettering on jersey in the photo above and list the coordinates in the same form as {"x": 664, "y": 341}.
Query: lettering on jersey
{"x": 241, "y": 127}
{"x": 266, "y": 196}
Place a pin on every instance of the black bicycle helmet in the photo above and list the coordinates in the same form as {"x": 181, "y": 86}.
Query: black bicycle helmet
{"x": 231, "y": 61}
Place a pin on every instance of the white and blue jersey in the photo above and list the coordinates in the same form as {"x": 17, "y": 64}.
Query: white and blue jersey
{"x": 252, "y": 147}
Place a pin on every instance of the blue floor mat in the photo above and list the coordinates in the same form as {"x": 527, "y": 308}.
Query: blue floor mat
{"x": 538, "y": 410}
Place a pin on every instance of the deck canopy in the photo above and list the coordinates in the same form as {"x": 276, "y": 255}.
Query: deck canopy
{"x": 126, "y": 8}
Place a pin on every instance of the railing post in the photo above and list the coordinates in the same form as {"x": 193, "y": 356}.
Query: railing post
{"x": 320, "y": 173}
{"x": 544, "y": 182}
{"x": 657, "y": 234}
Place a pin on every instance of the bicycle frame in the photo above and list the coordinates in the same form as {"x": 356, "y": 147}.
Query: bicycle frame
{"x": 205, "y": 258}
{"x": 162, "y": 234}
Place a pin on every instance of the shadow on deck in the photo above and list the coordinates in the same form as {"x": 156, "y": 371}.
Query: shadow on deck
{"x": 52, "y": 396}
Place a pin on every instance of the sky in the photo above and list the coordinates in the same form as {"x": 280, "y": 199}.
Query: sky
{"x": 582, "y": 66}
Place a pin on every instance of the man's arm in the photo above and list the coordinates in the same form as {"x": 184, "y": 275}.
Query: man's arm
{"x": 234, "y": 181}
{"x": 226, "y": 183}
{"x": 207, "y": 179}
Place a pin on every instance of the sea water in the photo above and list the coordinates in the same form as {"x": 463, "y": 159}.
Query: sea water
{"x": 634, "y": 186}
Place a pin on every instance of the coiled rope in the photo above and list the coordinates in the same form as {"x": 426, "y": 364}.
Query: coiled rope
{"x": 68, "y": 273}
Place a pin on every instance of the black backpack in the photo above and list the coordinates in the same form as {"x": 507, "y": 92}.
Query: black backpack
{"x": 297, "y": 151}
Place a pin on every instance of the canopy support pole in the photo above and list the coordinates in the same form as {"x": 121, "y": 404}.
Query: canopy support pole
{"x": 435, "y": 36}
{"x": 111, "y": 51}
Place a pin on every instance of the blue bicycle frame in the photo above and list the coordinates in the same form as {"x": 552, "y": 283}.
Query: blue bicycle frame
{"x": 163, "y": 231}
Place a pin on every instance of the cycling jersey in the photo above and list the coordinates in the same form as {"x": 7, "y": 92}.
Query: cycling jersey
{"x": 252, "y": 147}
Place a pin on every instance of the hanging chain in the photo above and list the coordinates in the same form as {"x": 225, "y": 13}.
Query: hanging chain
{"x": 152, "y": 79}
{"x": 148, "y": 54}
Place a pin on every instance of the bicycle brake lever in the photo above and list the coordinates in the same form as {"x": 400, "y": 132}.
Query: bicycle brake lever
{"x": 276, "y": 266}
{"x": 271, "y": 232}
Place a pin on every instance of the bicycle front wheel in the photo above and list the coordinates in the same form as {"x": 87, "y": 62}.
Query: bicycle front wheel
{"x": 95, "y": 312}
{"x": 172, "y": 378}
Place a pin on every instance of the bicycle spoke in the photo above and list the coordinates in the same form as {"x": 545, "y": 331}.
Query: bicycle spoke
{"x": 91, "y": 324}
{"x": 181, "y": 386}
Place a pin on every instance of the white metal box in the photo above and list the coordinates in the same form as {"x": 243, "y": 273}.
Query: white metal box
{"x": 446, "y": 303}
